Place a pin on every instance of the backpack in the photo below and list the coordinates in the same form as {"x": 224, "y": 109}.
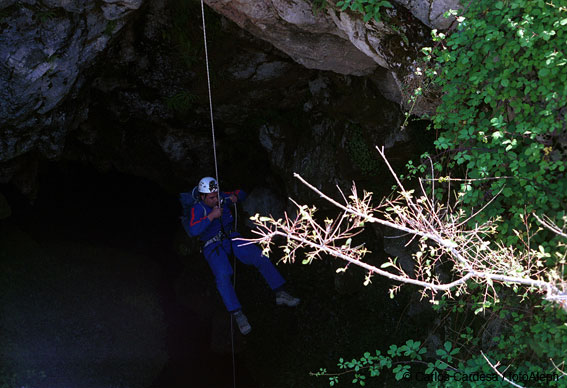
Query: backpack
{"x": 189, "y": 199}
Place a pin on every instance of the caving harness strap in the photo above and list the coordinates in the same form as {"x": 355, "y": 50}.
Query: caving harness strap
{"x": 222, "y": 235}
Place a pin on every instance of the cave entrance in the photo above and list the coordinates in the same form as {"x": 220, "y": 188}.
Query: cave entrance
{"x": 134, "y": 223}
{"x": 103, "y": 257}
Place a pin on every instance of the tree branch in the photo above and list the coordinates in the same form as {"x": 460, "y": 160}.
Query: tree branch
{"x": 498, "y": 372}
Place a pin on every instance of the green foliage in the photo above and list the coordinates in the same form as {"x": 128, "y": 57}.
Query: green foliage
{"x": 181, "y": 102}
{"x": 502, "y": 115}
{"x": 110, "y": 27}
{"x": 44, "y": 15}
{"x": 414, "y": 170}
{"x": 41, "y": 12}
{"x": 318, "y": 5}
{"x": 371, "y": 9}
{"x": 503, "y": 111}
{"x": 185, "y": 14}
{"x": 501, "y": 125}
{"x": 360, "y": 153}
{"x": 463, "y": 365}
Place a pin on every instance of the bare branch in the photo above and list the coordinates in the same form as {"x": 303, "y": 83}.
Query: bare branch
{"x": 373, "y": 269}
{"x": 482, "y": 208}
{"x": 550, "y": 225}
{"x": 498, "y": 372}
{"x": 557, "y": 368}
{"x": 442, "y": 233}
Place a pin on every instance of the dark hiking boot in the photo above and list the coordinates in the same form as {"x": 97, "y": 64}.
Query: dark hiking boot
{"x": 242, "y": 322}
{"x": 283, "y": 298}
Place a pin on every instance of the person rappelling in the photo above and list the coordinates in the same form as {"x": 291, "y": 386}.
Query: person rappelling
{"x": 213, "y": 224}
{"x": 211, "y": 220}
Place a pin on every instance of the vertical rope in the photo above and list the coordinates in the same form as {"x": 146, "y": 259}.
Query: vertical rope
{"x": 210, "y": 96}
{"x": 232, "y": 345}
{"x": 217, "y": 172}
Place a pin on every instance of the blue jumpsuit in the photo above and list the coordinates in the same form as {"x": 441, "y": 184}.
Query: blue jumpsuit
{"x": 217, "y": 253}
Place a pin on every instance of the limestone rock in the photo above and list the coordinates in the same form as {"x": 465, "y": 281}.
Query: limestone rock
{"x": 144, "y": 112}
{"x": 430, "y": 12}
{"x": 312, "y": 40}
{"x": 45, "y": 49}
{"x": 341, "y": 41}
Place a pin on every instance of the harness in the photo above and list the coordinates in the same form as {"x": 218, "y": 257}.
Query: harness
{"x": 221, "y": 235}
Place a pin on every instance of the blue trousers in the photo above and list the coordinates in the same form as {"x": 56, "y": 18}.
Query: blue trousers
{"x": 217, "y": 255}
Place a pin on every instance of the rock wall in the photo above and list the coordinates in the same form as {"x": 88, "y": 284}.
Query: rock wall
{"x": 121, "y": 86}
{"x": 45, "y": 49}
{"x": 431, "y": 12}
{"x": 342, "y": 42}
{"x": 149, "y": 113}
{"x": 68, "y": 65}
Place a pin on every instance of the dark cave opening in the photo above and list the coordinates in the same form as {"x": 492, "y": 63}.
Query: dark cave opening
{"x": 146, "y": 90}
{"x": 111, "y": 207}
{"x": 76, "y": 203}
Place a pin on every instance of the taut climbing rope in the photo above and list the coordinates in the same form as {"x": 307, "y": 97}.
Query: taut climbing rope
{"x": 217, "y": 178}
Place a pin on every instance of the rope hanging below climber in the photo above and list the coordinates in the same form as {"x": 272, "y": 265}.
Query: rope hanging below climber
{"x": 207, "y": 215}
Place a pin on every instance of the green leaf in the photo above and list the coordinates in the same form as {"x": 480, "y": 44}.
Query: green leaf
{"x": 543, "y": 72}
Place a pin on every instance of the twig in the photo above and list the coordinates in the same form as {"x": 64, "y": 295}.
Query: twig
{"x": 403, "y": 279}
{"x": 551, "y": 226}
{"x": 447, "y": 244}
{"x": 556, "y": 367}
{"x": 482, "y": 208}
{"x": 498, "y": 372}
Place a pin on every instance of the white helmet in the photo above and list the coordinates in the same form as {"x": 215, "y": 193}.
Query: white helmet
{"x": 208, "y": 185}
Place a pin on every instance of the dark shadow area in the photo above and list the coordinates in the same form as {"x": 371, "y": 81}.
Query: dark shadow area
{"x": 127, "y": 227}
{"x": 78, "y": 205}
